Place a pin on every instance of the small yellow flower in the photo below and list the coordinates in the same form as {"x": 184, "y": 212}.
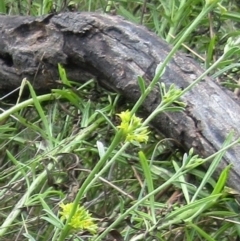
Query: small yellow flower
{"x": 132, "y": 128}
{"x": 124, "y": 127}
{"x": 81, "y": 220}
{"x": 142, "y": 136}
{"x": 125, "y": 116}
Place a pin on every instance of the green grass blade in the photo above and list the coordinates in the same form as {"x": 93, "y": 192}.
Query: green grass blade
{"x": 63, "y": 75}
{"x": 47, "y": 127}
{"x": 183, "y": 183}
{"x": 201, "y": 232}
{"x": 221, "y": 180}
{"x": 212, "y": 167}
{"x": 149, "y": 181}
{"x": 2, "y": 6}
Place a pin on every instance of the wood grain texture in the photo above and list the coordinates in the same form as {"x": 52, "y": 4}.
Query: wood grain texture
{"x": 115, "y": 52}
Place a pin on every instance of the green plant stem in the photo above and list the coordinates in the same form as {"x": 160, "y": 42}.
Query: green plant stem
{"x": 108, "y": 164}
{"x": 149, "y": 182}
{"x": 26, "y": 103}
{"x": 94, "y": 174}
{"x": 222, "y": 149}
{"x": 163, "y": 107}
{"x": 206, "y": 9}
{"x": 177, "y": 16}
{"x": 109, "y": 5}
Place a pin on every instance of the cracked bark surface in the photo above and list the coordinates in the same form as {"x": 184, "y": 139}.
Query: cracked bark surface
{"x": 115, "y": 52}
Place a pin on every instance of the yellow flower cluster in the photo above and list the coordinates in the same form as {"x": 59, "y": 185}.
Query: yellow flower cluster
{"x": 81, "y": 220}
{"x": 132, "y": 128}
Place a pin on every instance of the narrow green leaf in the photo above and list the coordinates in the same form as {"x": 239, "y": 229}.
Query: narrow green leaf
{"x": 72, "y": 97}
{"x": 221, "y": 180}
{"x": 107, "y": 119}
{"x": 183, "y": 183}
{"x": 101, "y": 149}
{"x": 41, "y": 113}
{"x": 29, "y": 236}
{"x": 210, "y": 51}
{"x": 2, "y": 6}
{"x": 63, "y": 75}
{"x": 127, "y": 14}
{"x": 54, "y": 222}
{"x": 201, "y": 232}
{"x": 52, "y": 218}
{"x": 149, "y": 181}
{"x": 19, "y": 166}
{"x": 85, "y": 114}
{"x": 44, "y": 204}
{"x": 141, "y": 84}
{"x": 189, "y": 211}
{"x": 21, "y": 89}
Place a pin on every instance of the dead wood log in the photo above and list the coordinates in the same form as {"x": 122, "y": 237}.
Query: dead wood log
{"x": 115, "y": 52}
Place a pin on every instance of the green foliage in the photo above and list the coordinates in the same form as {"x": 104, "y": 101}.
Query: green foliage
{"x": 67, "y": 147}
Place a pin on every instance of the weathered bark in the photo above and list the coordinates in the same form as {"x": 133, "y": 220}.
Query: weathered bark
{"x": 115, "y": 52}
